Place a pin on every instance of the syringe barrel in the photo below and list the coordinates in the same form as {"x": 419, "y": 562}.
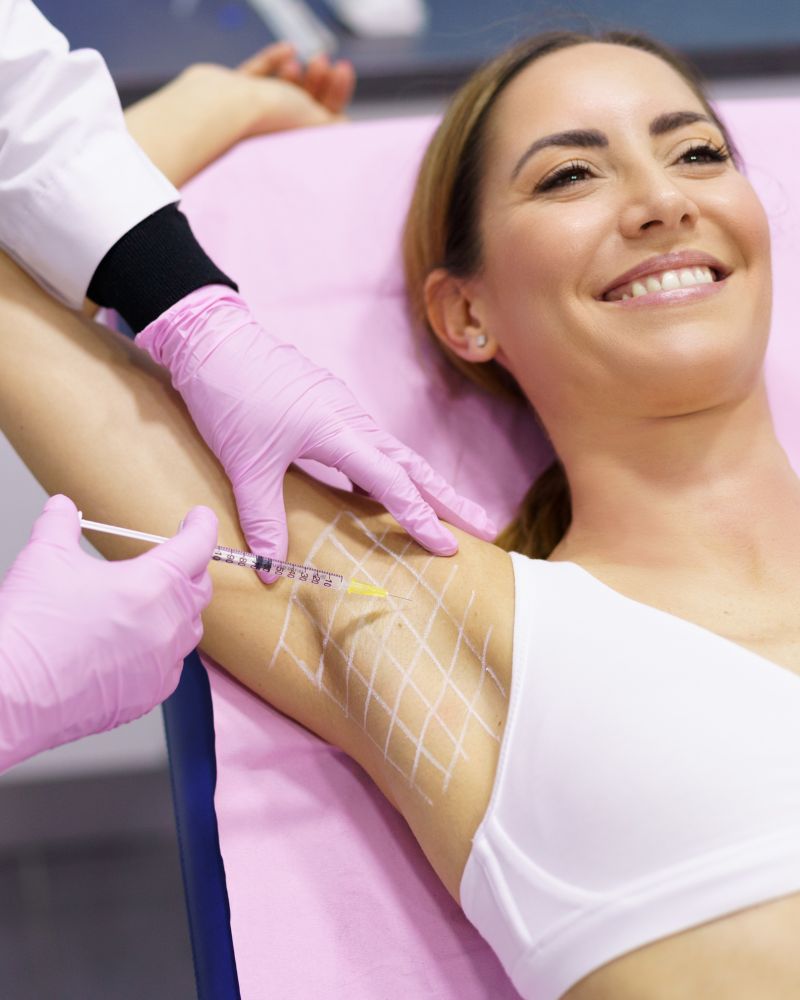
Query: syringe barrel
{"x": 287, "y": 570}
{"x": 307, "y": 574}
{"x": 236, "y": 557}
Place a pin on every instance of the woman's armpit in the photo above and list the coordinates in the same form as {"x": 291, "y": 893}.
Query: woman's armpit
{"x": 417, "y": 690}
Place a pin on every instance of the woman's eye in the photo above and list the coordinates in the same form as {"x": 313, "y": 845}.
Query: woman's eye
{"x": 565, "y": 176}
{"x": 705, "y": 152}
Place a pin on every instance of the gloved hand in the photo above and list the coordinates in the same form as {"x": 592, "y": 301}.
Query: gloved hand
{"x": 260, "y": 404}
{"x": 85, "y": 644}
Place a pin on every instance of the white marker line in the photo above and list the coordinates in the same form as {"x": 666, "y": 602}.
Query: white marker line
{"x": 425, "y": 700}
{"x": 471, "y": 713}
{"x": 422, "y": 640}
{"x": 472, "y": 648}
{"x": 423, "y": 644}
{"x": 447, "y": 683}
{"x": 376, "y": 697}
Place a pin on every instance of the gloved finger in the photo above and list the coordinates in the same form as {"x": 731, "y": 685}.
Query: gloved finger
{"x": 58, "y": 523}
{"x": 262, "y": 516}
{"x": 202, "y": 591}
{"x": 388, "y": 483}
{"x": 191, "y": 636}
{"x": 191, "y": 549}
{"x": 458, "y": 510}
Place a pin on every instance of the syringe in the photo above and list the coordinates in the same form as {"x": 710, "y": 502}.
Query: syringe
{"x": 238, "y": 557}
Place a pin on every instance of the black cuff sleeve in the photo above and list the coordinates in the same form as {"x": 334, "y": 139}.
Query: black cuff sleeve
{"x": 152, "y": 267}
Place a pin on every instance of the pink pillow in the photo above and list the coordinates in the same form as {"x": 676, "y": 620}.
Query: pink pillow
{"x": 330, "y": 895}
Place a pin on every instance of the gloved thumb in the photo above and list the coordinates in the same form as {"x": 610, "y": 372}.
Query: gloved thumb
{"x": 58, "y": 524}
{"x": 191, "y": 549}
{"x": 262, "y": 516}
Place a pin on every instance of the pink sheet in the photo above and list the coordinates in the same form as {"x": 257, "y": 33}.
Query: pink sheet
{"x": 330, "y": 895}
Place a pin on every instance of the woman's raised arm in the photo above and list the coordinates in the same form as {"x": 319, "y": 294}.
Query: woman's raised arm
{"x": 207, "y": 108}
{"x": 415, "y": 692}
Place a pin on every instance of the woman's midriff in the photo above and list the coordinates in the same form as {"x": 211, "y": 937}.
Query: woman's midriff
{"x": 751, "y": 954}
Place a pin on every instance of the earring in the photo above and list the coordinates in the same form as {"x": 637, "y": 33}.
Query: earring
{"x": 481, "y": 340}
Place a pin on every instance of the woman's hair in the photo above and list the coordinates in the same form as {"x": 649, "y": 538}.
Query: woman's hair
{"x": 442, "y": 230}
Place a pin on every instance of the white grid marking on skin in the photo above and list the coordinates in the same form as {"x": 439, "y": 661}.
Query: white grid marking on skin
{"x": 448, "y": 682}
{"x": 318, "y": 681}
{"x": 378, "y": 543}
{"x": 458, "y": 747}
{"x": 423, "y": 644}
{"x": 328, "y": 535}
{"x": 422, "y": 639}
{"x": 397, "y": 613}
{"x": 423, "y": 697}
{"x": 378, "y": 699}
{"x": 316, "y": 677}
{"x": 385, "y": 651}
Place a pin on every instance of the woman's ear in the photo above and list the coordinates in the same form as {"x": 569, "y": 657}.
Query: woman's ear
{"x": 455, "y": 317}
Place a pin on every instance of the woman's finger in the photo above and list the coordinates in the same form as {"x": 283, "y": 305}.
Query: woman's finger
{"x": 316, "y": 75}
{"x": 339, "y": 88}
{"x": 269, "y": 60}
{"x": 291, "y": 71}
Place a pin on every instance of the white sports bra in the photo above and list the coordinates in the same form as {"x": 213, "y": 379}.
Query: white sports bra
{"x": 648, "y": 781}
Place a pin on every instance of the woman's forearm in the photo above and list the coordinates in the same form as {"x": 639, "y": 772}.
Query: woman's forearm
{"x": 194, "y": 119}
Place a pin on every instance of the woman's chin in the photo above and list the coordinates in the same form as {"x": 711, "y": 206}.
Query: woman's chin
{"x": 692, "y": 369}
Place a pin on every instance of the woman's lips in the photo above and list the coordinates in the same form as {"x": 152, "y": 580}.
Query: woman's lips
{"x": 676, "y": 261}
{"x": 673, "y": 297}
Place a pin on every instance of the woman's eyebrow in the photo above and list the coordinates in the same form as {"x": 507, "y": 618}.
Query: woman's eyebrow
{"x": 587, "y": 138}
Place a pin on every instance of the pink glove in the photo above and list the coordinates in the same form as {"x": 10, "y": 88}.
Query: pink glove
{"x": 85, "y": 644}
{"x": 260, "y": 404}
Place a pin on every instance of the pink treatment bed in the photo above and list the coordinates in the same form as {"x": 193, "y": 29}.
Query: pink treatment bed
{"x": 329, "y": 894}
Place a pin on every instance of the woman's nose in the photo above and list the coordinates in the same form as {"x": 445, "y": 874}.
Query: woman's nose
{"x": 654, "y": 200}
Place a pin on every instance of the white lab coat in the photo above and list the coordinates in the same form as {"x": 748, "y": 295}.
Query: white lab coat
{"x": 72, "y": 180}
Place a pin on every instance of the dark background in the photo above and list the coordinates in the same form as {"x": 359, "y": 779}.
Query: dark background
{"x": 147, "y": 41}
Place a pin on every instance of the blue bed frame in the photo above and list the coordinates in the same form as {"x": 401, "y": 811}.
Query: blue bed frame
{"x": 189, "y": 724}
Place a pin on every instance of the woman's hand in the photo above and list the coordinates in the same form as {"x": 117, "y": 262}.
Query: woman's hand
{"x": 293, "y": 95}
{"x": 206, "y": 110}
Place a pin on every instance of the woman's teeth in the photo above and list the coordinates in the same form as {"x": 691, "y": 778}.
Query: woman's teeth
{"x": 664, "y": 281}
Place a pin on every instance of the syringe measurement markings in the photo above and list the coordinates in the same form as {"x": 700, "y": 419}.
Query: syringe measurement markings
{"x": 287, "y": 570}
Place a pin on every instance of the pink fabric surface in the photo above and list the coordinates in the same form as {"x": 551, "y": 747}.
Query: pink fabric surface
{"x": 330, "y": 895}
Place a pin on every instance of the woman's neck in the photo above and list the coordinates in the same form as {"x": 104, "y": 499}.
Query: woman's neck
{"x": 709, "y": 491}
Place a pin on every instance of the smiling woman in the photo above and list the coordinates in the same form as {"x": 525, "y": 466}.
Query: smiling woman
{"x": 563, "y": 729}
{"x": 582, "y": 234}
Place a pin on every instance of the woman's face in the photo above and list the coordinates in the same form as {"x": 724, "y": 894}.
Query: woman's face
{"x": 551, "y": 251}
